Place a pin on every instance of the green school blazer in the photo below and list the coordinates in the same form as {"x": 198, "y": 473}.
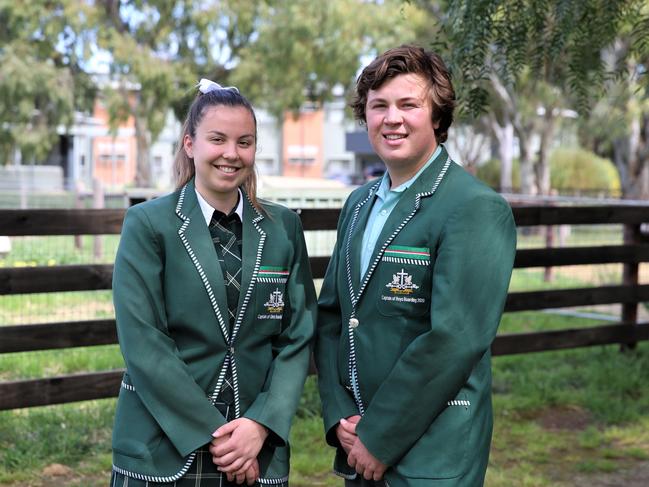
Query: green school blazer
{"x": 172, "y": 324}
{"x": 407, "y": 347}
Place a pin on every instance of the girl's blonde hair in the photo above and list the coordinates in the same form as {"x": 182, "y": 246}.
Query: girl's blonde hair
{"x": 184, "y": 169}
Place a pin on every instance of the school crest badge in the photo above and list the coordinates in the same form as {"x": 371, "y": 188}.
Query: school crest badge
{"x": 275, "y": 303}
{"x": 402, "y": 283}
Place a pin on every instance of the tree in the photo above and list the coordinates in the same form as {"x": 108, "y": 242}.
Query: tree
{"x": 140, "y": 37}
{"x": 535, "y": 47}
{"x": 303, "y": 49}
{"x": 518, "y": 34}
{"x": 41, "y": 79}
{"x": 618, "y": 127}
{"x": 279, "y": 52}
{"x": 159, "y": 50}
{"x": 471, "y": 144}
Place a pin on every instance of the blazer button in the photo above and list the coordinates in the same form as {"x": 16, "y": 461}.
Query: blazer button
{"x": 353, "y": 323}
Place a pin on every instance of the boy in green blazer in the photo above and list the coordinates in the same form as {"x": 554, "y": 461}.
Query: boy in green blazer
{"x": 215, "y": 311}
{"x": 413, "y": 294}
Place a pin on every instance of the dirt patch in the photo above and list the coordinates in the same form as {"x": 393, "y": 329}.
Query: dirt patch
{"x": 571, "y": 418}
{"x": 635, "y": 476}
{"x": 57, "y": 470}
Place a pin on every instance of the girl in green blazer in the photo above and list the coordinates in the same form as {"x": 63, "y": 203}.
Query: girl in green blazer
{"x": 215, "y": 312}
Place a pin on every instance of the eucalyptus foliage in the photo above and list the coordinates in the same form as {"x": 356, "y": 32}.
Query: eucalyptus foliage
{"x": 511, "y": 35}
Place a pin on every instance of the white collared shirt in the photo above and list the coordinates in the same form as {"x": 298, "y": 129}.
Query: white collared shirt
{"x": 208, "y": 210}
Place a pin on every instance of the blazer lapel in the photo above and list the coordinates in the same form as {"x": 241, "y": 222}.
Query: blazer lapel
{"x": 253, "y": 245}
{"x": 354, "y": 239}
{"x": 425, "y": 185}
{"x": 196, "y": 238}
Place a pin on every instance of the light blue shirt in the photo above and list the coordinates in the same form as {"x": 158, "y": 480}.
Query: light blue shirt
{"x": 385, "y": 201}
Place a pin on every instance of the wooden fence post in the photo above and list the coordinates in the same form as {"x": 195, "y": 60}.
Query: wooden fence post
{"x": 24, "y": 201}
{"x": 98, "y": 203}
{"x": 549, "y": 243}
{"x": 78, "y": 204}
{"x": 632, "y": 236}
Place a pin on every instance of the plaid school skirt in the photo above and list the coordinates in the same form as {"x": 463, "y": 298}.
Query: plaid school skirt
{"x": 202, "y": 473}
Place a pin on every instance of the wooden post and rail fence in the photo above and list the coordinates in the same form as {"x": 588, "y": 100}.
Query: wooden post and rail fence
{"x": 86, "y": 386}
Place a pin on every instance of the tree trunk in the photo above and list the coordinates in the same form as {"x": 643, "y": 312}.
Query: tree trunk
{"x": 631, "y": 158}
{"x": 471, "y": 146}
{"x": 543, "y": 163}
{"x": 528, "y": 183}
{"x": 143, "y": 143}
{"x": 503, "y": 133}
{"x": 506, "y": 153}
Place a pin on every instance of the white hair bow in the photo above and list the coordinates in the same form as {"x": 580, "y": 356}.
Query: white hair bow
{"x": 206, "y": 85}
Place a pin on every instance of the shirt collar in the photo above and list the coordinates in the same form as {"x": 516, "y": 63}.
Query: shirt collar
{"x": 208, "y": 210}
{"x": 384, "y": 188}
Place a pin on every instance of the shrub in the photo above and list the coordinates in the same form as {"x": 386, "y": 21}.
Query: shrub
{"x": 581, "y": 170}
{"x": 571, "y": 170}
{"x": 489, "y": 173}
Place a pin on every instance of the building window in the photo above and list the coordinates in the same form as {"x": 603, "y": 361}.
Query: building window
{"x": 108, "y": 159}
{"x": 301, "y": 161}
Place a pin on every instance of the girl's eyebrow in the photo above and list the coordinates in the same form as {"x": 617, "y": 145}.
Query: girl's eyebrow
{"x": 223, "y": 134}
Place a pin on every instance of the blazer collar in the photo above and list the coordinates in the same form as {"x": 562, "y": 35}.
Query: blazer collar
{"x": 196, "y": 238}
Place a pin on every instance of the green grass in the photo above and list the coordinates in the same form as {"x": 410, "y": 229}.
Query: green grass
{"x": 554, "y": 418}
{"x": 578, "y": 235}
{"x": 59, "y": 250}
{"x": 311, "y": 458}
{"x": 608, "y": 384}
{"x": 562, "y": 413}
{"x": 557, "y": 415}
{"x": 72, "y": 434}
{"x": 55, "y": 307}
{"x": 48, "y": 363}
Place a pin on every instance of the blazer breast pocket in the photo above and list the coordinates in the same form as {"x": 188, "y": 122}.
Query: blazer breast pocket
{"x": 405, "y": 281}
{"x": 270, "y": 299}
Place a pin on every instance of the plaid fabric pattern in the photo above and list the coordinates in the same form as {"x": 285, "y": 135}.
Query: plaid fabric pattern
{"x": 188, "y": 480}
{"x": 226, "y": 232}
{"x": 361, "y": 482}
{"x": 202, "y": 473}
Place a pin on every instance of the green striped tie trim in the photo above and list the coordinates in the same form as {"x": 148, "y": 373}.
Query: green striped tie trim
{"x": 271, "y": 271}
{"x": 419, "y": 253}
